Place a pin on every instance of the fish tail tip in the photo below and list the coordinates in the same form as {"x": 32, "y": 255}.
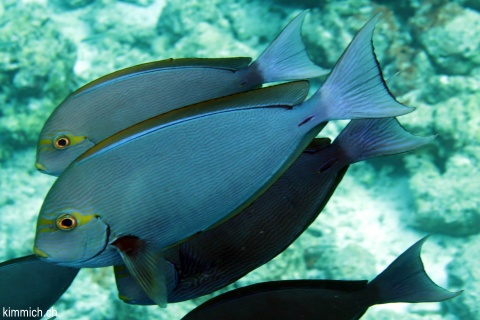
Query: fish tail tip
{"x": 370, "y": 138}
{"x": 405, "y": 280}
{"x": 356, "y": 88}
{"x": 286, "y": 58}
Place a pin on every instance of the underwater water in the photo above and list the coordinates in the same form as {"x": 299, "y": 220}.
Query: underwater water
{"x": 428, "y": 52}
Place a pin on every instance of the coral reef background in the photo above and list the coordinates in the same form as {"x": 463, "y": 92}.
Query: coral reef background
{"x": 428, "y": 51}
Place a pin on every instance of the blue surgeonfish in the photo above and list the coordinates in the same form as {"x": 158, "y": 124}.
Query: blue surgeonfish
{"x": 31, "y": 285}
{"x": 123, "y": 98}
{"x": 159, "y": 182}
{"x": 217, "y": 257}
{"x": 405, "y": 280}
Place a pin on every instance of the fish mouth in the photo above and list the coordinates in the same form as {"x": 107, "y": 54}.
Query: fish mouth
{"x": 39, "y": 252}
{"x": 40, "y": 167}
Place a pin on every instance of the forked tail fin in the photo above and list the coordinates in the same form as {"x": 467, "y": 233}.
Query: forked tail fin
{"x": 370, "y": 138}
{"x": 405, "y": 280}
{"x": 355, "y": 88}
{"x": 286, "y": 58}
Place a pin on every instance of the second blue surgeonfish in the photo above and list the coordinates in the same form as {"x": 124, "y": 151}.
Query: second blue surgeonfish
{"x": 153, "y": 186}
{"x": 126, "y": 97}
{"x": 218, "y": 257}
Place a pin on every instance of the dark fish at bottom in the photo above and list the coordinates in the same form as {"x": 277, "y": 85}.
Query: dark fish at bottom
{"x": 404, "y": 280}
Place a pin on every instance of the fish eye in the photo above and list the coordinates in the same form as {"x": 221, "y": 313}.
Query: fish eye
{"x": 66, "y": 222}
{"x": 62, "y": 142}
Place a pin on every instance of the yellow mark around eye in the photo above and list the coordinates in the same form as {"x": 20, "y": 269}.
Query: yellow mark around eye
{"x": 45, "y": 225}
{"x": 76, "y": 139}
{"x": 49, "y": 225}
{"x": 46, "y": 143}
{"x": 66, "y": 222}
{"x": 83, "y": 219}
{"x": 72, "y": 140}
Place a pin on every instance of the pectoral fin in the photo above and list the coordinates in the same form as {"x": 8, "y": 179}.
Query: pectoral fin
{"x": 147, "y": 266}
{"x": 129, "y": 291}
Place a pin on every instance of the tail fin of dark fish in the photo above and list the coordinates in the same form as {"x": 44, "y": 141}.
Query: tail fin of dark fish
{"x": 355, "y": 88}
{"x": 286, "y": 57}
{"x": 405, "y": 280}
{"x": 369, "y": 138}
{"x": 146, "y": 266}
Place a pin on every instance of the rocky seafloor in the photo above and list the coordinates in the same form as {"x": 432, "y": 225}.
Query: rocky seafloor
{"x": 428, "y": 51}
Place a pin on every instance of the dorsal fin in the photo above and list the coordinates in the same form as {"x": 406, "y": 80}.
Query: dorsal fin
{"x": 282, "y": 95}
{"x": 218, "y": 63}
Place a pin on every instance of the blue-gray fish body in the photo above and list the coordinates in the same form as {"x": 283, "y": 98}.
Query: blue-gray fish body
{"x": 404, "y": 280}
{"x": 162, "y": 181}
{"x": 126, "y": 97}
{"x": 217, "y": 257}
{"x": 29, "y": 283}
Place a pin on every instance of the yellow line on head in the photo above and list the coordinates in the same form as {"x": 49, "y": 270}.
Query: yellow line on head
{"x": 44, "y": 142}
